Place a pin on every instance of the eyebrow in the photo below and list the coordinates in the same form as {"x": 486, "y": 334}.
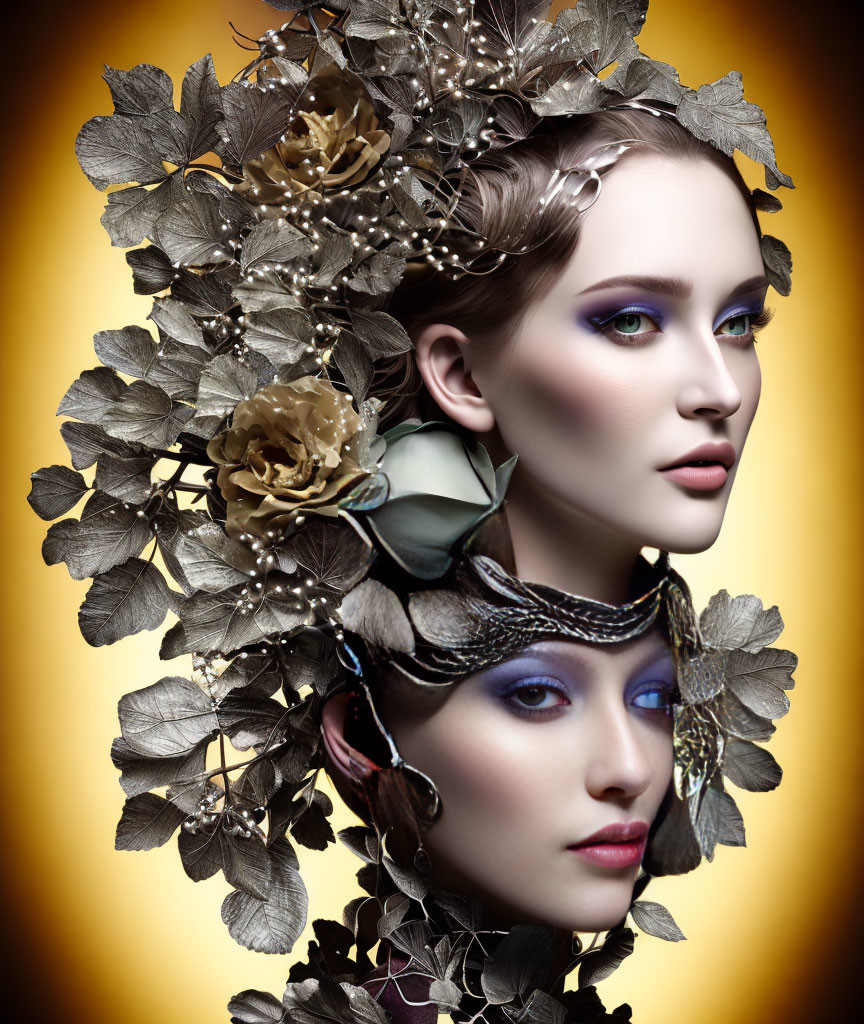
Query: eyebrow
{"x": 677, "y": 287}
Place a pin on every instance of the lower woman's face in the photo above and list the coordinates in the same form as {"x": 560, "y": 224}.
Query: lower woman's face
{"x": 551, "y": 768}
{"x": 640, "y": 358}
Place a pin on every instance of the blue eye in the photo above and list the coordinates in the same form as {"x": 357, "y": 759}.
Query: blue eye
{"x": 536, "y": 696}
{"x": 658, "y": 697}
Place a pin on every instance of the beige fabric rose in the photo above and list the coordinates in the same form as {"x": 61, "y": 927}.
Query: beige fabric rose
{"x": 329, "y": 147}
{"x": 290, "y": 446}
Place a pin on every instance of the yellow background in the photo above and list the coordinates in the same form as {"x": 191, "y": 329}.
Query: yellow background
{"x": 106, "y": 936}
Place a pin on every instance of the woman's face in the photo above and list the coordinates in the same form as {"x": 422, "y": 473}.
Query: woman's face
{"x": 534, "y": 757}
{"x": 640, "y": 357}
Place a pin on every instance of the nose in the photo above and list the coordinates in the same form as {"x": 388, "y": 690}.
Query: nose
{"x": 619, "y": 765}
{"x": 707, "y": 388}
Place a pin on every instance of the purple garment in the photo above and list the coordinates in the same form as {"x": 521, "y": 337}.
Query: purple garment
{"x": 413, "y": 987}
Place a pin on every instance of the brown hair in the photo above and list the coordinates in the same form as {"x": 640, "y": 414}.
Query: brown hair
{"x": 500, "y": 193}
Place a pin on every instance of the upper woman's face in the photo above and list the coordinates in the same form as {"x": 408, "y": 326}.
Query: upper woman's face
{"x": 640, "y": 356}
{"x": 532, "y": 758}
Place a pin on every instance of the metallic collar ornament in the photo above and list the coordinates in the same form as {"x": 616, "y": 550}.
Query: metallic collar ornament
{"x": 272, "y": 218}
{"x": 486, "y": 615}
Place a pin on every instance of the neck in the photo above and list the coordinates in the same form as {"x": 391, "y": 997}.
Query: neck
{"x": 556, "y": 545}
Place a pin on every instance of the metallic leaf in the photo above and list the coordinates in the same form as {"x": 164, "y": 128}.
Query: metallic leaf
{"x": 223, "y": 622}
{"x": 244, "y": 862}
{"x": 251, "y": 1007}
{"x": 739, "y": 623}
{"x": 273, "y": 924}
{"x": 600, "y": 30}
{"x": 55, "y": 490}
{"x": 147, "y": 821}
{"x": 131, "y": 213}
{"x": 201, "y": 107}
{"x": 174, "y": 320}
{"x": 270, "y": 243}
{"x": 731, "y": 829}
{"x": 751, "y": 767}
{"x": 140, "y": 773}
{"x": 86, "y": 442}
{"x": 759, "y": 680}
{"x": 600, "y": 963}
{"x": 92, "y": 395}
{"x": 167, "y": 718}
{"x": 146, "y": 414}
{"x": 374, "y": 612}
{"x": 130, "y": 350}
{"x": 254, "y": 120}
{"x": 655, "y": 919}
{"x": 719, "y": 114}
{"x": 211, "y": 560}
{"x": 106, "y": 535}
{"x": 115, "y": 150}
{"x": 778, "y": 263}
{"x": 521, "y": 962}
{"x": 225, "y": 382}
{"x": 125, "y": 600}
{"x": 127, "y": 479}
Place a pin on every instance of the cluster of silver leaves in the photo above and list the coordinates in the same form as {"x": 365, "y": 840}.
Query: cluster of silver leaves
{"x": 732, "y": 686}
{"x": 245, "y": 295}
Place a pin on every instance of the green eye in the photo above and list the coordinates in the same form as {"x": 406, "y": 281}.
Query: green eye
{"x": 629, "y": 323}
{"x": 737, "y": 325}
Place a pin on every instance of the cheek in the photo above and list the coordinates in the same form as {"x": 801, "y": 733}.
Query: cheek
{"x": 492, "y": 776}
{"x": 551, "y": 403}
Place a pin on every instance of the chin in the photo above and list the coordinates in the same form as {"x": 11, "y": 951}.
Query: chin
{"x": 600, "y": 916}
{"x": 690, "y": 537}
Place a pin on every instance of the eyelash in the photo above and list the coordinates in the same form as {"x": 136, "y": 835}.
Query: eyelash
{"x": 602, "y": 325}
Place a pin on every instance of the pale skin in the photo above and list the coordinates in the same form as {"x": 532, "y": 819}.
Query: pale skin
{"x": 603, "y": 384}
{"x": 592, "y": 415}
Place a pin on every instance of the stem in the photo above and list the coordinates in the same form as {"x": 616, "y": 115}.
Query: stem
{"x": 187, "y": 457}
{"x": 224, "y": 771}
{"x": 241, "y": 764}
{"x": 192, "y": 488}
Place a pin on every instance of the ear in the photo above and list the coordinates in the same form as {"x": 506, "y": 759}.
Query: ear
{"x": 443, "y": 355}
{"x": 347, "y": 759}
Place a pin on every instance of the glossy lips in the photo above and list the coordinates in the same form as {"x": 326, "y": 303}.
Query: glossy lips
{"x": 616, "y": 846}
{"x": 706, "y": 468}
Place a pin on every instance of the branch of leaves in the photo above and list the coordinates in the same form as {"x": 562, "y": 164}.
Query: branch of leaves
{"x": 128, "y": 594}
{"x": 146, "y": 141}
{"x": 731, "y": 689}
{"x": 167, "y": 729}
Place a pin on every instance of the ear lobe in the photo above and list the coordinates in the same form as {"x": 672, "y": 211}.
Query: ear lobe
{"x": 347, "y": 759}
{"x": 441, "y": 351}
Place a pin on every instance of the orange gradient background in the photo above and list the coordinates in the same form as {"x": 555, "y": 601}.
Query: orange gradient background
{"x": 101, "y": 936}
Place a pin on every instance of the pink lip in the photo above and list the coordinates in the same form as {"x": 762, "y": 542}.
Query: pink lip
{"x": 616, "y": 846}
{"x": 719, "y": 457}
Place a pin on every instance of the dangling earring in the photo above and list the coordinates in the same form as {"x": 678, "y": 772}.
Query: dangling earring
{"x": 422, "y": 863}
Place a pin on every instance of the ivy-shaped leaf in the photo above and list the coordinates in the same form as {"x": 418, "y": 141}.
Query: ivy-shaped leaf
{"x": 125, "y": 600}
{"x": 55, "y": 490}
